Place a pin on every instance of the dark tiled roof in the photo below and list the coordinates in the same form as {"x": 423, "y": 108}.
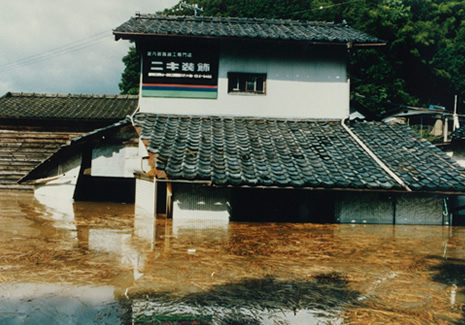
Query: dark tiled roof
{"x": 420, "y": 164}
{"x": 57, "y": 106}
{"x": 245, "y": 28}
{"x": 295, "y": 153}
{"x": 459, "y": 133}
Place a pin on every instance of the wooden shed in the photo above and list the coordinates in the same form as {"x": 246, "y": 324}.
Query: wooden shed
{"x": 34, "y": 126}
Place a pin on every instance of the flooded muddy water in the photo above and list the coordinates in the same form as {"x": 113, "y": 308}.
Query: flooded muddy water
{"x": 107, "y": 263}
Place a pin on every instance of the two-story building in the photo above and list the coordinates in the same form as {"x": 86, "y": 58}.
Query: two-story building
{"x": 246, "y": 119}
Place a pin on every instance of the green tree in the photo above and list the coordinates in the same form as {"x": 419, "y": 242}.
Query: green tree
{"x": 130, "y": 77}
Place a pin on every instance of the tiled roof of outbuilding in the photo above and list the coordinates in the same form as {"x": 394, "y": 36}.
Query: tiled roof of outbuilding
{"x": 296, "y": 153}
{"x": 241, "y": 28}
{"x": 459, "y": 133}
{"x": 58, "y": 106}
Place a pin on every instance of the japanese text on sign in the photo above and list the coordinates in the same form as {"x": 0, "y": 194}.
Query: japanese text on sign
{"x": 176, "y": 72}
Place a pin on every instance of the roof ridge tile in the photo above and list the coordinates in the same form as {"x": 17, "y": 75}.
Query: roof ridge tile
{"x": 207, "y": 26}
{"x": 66, "y": 106}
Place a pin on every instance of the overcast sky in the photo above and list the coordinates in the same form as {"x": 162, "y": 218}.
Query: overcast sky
{"x": 49, "y": 46}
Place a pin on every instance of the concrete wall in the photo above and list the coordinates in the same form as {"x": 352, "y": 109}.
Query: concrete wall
{"x": 301, "y": 83}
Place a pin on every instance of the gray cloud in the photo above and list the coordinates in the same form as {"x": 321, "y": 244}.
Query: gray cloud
{"x": 49, "y": 46}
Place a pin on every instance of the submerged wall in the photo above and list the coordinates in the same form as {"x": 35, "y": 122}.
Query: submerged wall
{"x": 62, "y": 179}
{"x": 246, "y": 204}
{"x": 385, "y": 208}
{"x": 200, "y": 202}
{"x": 420, "y": 211}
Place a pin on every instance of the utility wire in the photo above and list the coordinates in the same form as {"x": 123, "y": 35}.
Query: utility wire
{"x": 55, "y": 52}
{"x": 96, "y": 39}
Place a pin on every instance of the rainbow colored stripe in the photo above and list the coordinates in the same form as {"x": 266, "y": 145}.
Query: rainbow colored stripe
{"x": 179, "y": 91}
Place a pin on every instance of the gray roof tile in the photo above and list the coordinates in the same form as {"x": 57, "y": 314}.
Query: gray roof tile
{"x": 420, "y": 164}
{"x": 58, "y": 106}
{"x": 241, "y": 28}
{"x": 459, "y": 133}
{"x": 296, "y": 153}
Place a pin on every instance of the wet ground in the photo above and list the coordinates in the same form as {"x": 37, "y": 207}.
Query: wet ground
{"x": 105, "y": 263}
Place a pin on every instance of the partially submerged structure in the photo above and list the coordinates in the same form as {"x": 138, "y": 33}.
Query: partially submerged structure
{"x": 33, "y": 126}
{"x": 245, "y": 119}
{"x": 297, "y": 169}
{"x": 96, "y": 166}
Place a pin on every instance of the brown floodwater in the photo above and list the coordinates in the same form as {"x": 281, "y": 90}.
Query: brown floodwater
{"x": 107, "y": 263}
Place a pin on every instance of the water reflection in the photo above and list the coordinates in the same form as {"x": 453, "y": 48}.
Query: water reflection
{"x": 33, "y": 303}
{"x": 87, "y": 262}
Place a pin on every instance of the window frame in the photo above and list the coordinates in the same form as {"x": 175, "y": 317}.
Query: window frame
{"x": 239, "y": 82}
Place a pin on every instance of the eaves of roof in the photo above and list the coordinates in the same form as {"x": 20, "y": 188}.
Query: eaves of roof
{"x": 144, "y": 26}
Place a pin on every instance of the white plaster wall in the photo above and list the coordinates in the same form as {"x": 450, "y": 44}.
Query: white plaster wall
{"x": 116, "y": 160}
{"x": 64, "y": 185}
{"x": 145, "y": 196}
{"x": 299, "y": 85}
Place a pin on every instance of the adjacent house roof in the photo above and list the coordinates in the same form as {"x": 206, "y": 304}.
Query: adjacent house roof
{"x": 64, "y": 107}
{"x": 297, "y": 153}
{"x": 459, "y": 133}
{"x": 242, "y": 28}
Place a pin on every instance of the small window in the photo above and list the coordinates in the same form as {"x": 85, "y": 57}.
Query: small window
{"x": 253, "y": 83}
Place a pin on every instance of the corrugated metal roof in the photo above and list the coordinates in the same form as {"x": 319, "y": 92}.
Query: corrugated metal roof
{"x": 296, "y": 153}
{"x": 242, "y": 28}
{"x": 69, "y": 106}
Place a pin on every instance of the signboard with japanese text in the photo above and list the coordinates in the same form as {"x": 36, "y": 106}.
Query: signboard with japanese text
{"x": 180, "y": 73}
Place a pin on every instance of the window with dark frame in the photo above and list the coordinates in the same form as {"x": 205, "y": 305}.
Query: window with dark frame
{"x": 250, "y": 83}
